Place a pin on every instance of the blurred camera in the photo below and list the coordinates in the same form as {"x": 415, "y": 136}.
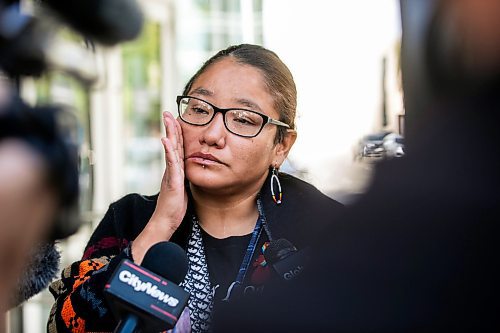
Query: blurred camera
{"x": 48, "y": 130}
{"x": 29, "y": 47}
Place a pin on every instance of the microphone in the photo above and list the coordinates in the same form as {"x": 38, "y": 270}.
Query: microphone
{"x": 286, "y": 260}
{"x": 108, "y": 22}
{"x": 148, "y": 296}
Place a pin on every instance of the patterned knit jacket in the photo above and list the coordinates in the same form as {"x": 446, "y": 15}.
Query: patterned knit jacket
{"x": 80, "y": 304}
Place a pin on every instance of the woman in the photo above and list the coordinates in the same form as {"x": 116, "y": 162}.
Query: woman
{"x": 221, "y": 196}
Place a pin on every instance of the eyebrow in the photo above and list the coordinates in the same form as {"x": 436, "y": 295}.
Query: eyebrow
{"x": 203, "y": 91}
{"x": 242, "y": 101}
{"x": 248, "y": 104}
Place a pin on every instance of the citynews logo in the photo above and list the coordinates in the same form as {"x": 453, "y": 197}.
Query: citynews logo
{"x": 147, "y": 287}
{"x": 293, "y": 273}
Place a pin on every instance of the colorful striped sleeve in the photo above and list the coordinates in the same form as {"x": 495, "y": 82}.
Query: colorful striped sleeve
{"x": 80, "y": 304}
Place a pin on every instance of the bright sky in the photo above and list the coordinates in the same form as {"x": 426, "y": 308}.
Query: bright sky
{"x": 334, "y": 49}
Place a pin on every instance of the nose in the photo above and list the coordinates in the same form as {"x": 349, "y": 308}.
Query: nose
{"x": 214, "y": 133}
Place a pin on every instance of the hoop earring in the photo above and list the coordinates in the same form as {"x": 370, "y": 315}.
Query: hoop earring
{"x": 274, "y": 178}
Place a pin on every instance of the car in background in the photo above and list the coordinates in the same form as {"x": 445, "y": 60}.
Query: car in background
{"x": 393, "y": 145}
{"x": 371, "y": 146}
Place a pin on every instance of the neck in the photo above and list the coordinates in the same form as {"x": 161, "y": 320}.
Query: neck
{"x": 222, "y": 217}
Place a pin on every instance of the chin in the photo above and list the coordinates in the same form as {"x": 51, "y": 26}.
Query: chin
{"x": 204, "y": 177}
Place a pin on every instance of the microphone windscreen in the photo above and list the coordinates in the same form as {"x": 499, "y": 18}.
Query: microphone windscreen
{"x": 278, "y": 250}
{"x": 40, "y": 270}
{"x": 168, "y": 260}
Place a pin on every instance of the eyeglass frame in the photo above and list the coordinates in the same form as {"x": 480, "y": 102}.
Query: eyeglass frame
{"x": 266, "y": 119}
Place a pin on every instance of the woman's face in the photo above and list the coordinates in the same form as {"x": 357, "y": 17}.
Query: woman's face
{"x": 217, "y": 160}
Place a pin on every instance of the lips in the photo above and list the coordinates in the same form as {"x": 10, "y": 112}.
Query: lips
{"x": 204, "y": 158}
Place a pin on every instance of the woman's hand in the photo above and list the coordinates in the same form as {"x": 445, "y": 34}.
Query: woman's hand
{"x": 172, "y": 201}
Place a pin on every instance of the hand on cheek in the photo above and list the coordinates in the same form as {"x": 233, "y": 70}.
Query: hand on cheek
{"x": 172, "y": 200}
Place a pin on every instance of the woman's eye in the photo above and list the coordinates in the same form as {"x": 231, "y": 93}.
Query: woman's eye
{"x": 198, "y": 110}
{"x": 243, "y": 118}
{"x": 245, "y": 121}
{"x": 242, "y": 121}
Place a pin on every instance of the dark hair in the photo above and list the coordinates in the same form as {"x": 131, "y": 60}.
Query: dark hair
{"x": 277, "y": 76}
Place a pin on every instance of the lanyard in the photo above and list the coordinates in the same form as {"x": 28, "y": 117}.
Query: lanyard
{"x": 261, "y": 222}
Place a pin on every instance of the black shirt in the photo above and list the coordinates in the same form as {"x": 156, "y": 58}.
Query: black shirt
{"x": 224, "y": 257}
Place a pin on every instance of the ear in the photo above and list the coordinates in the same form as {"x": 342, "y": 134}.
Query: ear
{"x": 282, "y": 148}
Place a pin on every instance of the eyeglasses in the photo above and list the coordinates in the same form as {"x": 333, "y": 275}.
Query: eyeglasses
{"x": 245, "y": 123}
